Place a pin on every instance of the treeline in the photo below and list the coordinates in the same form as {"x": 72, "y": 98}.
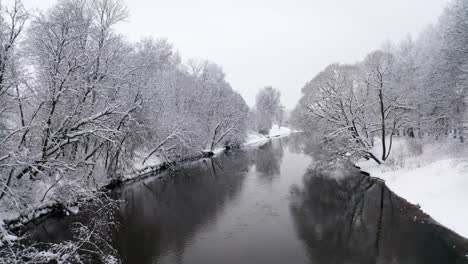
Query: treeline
{"x": 418, "y": 88}
{"x": 79, "y": 104}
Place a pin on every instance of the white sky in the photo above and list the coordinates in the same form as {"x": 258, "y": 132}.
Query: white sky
{"x": 282, "y": 43}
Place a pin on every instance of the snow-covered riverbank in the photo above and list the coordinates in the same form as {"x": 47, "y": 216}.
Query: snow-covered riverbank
{"x": 254, "y": 138}
{"x": 141, "y": 169}
{"x": 432, "y": 175}
{"x": 142, "y": 165}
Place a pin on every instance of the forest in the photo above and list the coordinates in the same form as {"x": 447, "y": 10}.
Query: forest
{"x": 416, "y": 88}
{"x": 81, "y": 107}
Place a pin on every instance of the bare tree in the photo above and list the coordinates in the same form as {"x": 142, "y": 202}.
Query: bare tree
{"x": 337, "y": 102}
{"x": 268, "y": 108}
{"x": 352, "y": 104}
{"x": 387, "y": 107}
{"x": 12, "y": 133}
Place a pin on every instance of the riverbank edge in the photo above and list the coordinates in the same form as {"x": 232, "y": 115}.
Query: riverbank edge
{"x": 58, "y": 208}
{"x": 16, "y": 225}
{"x": 460, "y": 243}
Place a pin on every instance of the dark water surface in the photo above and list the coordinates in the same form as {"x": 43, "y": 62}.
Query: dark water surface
{"x": 263, "y": 205}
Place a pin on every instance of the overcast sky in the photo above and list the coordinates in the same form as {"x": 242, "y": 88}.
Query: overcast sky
{"x": 272, "y": 42}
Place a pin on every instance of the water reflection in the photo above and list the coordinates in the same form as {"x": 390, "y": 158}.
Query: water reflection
{"x": 296, "y": 143}
{"x": 159, "y": 218}
{"x": 268, "y": 159}
{"x": 352, "y": 218}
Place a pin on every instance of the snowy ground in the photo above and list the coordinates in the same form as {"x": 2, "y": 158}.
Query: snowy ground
{"x": 254, "y": 138}
{"x": 433, "y": 175}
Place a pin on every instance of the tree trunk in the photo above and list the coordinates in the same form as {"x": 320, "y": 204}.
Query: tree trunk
{"x": 382, "y": 116}
{"x": 373, "y": 157}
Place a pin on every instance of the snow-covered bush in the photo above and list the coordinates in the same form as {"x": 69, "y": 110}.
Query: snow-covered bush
{"x": 90, "y": 242}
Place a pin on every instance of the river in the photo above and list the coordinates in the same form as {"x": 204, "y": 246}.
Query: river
{"x": 264, "y": 204}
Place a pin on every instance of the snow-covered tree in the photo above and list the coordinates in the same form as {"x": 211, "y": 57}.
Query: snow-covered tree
{"x": 268, "y": 108}
{"x": 352, "y": 104}
{"x": 336, "y": 103}
{"x": 447, "y": 73}
{"x": 386, "y": 106}
{"x": 13, "y": 126}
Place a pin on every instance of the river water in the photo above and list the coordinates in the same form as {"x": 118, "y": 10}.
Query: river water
{"x": 264, "y": 204}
